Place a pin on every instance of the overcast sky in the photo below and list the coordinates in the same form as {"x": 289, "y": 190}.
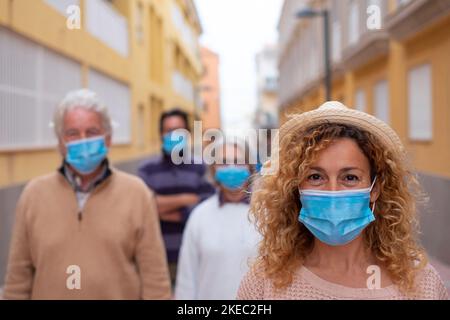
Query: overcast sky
{"x": 237, "y": 30}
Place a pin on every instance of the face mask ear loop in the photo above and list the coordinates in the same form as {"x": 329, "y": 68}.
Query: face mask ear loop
{"x": 373, "y": 183}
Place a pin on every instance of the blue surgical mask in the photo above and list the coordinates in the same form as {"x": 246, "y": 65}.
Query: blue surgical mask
{"x": 169, "y": 145}
{"x": 336, "y": 217}
{"x": 87, "y": 154}
{"x": 232, "y": 177}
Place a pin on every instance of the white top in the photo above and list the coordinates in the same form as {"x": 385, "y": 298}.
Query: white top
{"x": 217, "y": 245}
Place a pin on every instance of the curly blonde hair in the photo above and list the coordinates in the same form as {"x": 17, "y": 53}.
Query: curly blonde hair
{"x": 275, "y": 206}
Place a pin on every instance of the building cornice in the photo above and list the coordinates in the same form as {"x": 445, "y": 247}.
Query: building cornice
{"x": 415, "y": 16}
{"x": 371, "y": 45}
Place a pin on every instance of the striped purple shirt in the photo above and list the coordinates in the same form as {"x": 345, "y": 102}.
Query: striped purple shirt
{"x": 166, "y": 178}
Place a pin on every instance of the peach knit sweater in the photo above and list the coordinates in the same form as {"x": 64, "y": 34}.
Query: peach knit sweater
{"x": 307, "y": 286}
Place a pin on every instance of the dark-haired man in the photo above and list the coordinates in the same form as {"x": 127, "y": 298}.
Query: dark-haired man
{"x": 178, "y": 188}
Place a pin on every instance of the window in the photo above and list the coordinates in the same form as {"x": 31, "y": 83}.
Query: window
{"x": 353, "y": 24}
{"x": 183, "y": 86}
{"x": 336, "y": 41}
{"x": 186, "y": 32}
{"x": 360, "y": 100}
{"x": 106, "y": 24}
{"x": 381, "y": 103}
{"x": 33, "y": 80}
{"x": 420, "y": 103}
{"x": 62, "y": 5}
{"x": 116, "y": 96}
{"x": 336, "y": 30}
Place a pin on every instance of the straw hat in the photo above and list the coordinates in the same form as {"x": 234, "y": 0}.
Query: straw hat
{"x": 336, "y": 112}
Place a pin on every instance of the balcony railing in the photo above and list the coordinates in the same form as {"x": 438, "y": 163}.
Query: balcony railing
{"x": 185, "y": 31}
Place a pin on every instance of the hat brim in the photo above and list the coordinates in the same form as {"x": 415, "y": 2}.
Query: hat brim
{"x": 361, "y": 120}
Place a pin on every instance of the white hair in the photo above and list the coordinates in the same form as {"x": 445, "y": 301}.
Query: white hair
{"x": 84, "y": 99}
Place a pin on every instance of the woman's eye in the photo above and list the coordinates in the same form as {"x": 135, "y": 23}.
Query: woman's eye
{"x": 351, "y": 178}
{"x": 314, "y": 177}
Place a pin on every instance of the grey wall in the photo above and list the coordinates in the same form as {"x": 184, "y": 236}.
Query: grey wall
{"x": 435, "y": 219}
{"x": 8, "y": 199}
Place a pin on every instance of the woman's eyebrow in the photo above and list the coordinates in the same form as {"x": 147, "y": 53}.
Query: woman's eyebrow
{"x": 350, "y": 169}
{"x": 317, "y": 169}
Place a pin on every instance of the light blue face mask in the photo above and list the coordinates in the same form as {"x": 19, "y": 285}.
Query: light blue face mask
{"x": 86, "y": 155}
{"x": 232, "y": 177}
{"x": 169, "y": 145}
{"x": 336, "y": 217}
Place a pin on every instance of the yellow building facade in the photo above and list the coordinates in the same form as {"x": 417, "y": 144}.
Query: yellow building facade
{"x": 141, "y": 56}
{"x": 397, "y": 71}
{"x": 388, "y": 54}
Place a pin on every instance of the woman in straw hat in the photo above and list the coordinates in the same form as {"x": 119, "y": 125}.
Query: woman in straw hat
{"x": 338, "y": 218}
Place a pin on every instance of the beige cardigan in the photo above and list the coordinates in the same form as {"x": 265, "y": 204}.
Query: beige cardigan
{"x": 117, "y": 244}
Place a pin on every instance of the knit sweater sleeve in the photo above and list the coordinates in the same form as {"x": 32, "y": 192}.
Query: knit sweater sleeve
{"x": 431, "y": 286}
{"x": 252, "y": 285}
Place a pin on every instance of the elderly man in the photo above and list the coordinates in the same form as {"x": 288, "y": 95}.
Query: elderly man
{"x": 87, "y": 231}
